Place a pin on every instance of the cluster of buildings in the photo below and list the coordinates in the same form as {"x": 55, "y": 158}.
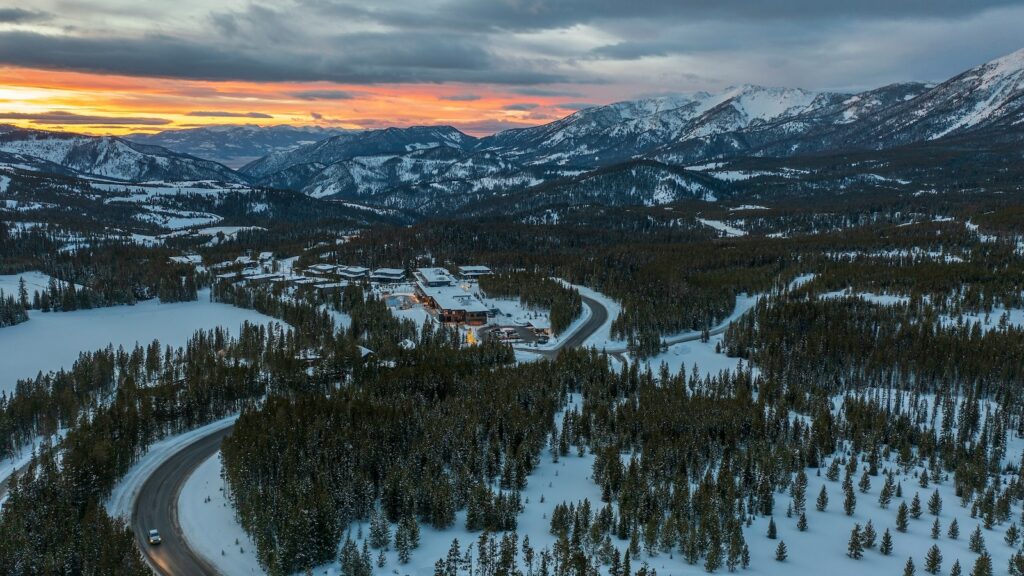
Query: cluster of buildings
{"x": 451, "y": 297}
{"x": 453, "y": 302}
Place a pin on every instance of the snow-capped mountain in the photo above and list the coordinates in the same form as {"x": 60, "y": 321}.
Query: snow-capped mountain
{"x": 438, "y": 168}
{"x": 985, "y": 96}
{"x": 624, "y": 130}
{"x": 389, "y": 141}
{"x": 235, "y": 145}
{"x": 110, "y": 157}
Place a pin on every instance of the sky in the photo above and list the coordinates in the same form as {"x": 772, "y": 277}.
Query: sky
{"x": 121, "y": 66}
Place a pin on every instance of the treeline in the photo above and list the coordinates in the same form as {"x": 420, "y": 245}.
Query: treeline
{"x": 537, "y": 291}
{"x": 102, "y": 274}
{"x": 12, "y": 310}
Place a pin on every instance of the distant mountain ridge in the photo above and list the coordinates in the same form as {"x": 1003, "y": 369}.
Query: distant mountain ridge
{"x": 641, "y": 150}
{"x": 110, "y": 157}
{"x": 236, "y": 145}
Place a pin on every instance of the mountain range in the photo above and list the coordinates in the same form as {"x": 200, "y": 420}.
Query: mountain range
{"x": 647, "y": 151}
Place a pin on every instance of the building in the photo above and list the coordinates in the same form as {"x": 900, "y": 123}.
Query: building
{"x": 452, "y": 304}
{"x": 353, "y": 272}
{"x": 388, "y": 275}
{"x": 473, "y": 272}
{"x": 434, "y": 277}
{"x": 322, "y": 270}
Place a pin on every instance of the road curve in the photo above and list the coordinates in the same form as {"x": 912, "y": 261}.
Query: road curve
{"x": 156, "y": 506}
{"x": 157, "y": 503}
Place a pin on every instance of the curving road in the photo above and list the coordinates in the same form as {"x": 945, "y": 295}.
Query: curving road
{"x": 156, "y": 506}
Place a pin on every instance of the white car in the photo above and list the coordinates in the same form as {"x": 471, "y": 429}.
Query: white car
{"x": 154, "y": 537}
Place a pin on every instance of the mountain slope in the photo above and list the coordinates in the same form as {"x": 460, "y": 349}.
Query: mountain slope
{"x": 111, "y": 157}
{"x": 236, "y": 146}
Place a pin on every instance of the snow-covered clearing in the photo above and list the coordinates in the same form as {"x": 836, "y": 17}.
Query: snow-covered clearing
{"x": 50, "y": 341}
{"x": 880, "y": 299}
{"x": 34, "y": 281}
{"x": 725, "y": 229}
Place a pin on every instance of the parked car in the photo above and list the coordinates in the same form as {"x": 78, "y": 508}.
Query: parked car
{"x": 154, "y": 537}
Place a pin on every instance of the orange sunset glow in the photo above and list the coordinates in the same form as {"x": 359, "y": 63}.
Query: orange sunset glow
{"x": 110, "y": 104}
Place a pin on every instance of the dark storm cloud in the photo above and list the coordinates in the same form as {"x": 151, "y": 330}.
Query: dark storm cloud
{"x": 460, "y": 97}
{"x": 21, "y": 16}
{"x": 528, "y": 44}
{"x": 60, "y": 117}
{"x": 224, "y": 114}
{"x": 323, "y": 95}
{"x": 548, "y": 14}
{"x": 353, "y": 58}
{"x": 521, "y": 106}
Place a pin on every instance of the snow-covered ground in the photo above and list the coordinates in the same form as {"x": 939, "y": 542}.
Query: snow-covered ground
{"x": 880, "y": 299}
{"x": 34, "y": 281}
{"x": 53, "y": 340}
{"x": 515, "y": 312}
{"x": 725, "y": 229}
{"x": 208, "y": 522}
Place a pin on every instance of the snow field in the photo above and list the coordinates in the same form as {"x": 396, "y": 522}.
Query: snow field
{"x": 50, "y": 341}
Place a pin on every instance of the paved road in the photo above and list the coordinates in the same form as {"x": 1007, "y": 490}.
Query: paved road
{"x": 598, "y": 316}
{"x": 157, "y": 507}
{"x": 157, "y": 503}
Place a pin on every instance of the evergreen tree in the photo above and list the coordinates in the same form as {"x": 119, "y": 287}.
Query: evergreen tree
{"x": 935, "y": 504}
{"x": 955, "y": 569}
{"x": 771, "y": 528}
{"x": 855, "y": 549}
{"x": 983, "y": 565}
{"x": 849, "y": 502}
{"x": 822, "y": 502}
{"x": 780, "y": 552}
{"x": 868, "y": 536}
{"x": 954, "y": 530}
{"x": 977, "y": 541}
{"x": 886, "y": 547}
{"x": 933, "y": 560}
{"x": 801, "y": 523}
{"x": 901, "y": 517}
{"x": 936, "y": 529}
{"x": 1012, "y": 535}
{"x": 915, "y": 506}
{"x": 908, "y": 568}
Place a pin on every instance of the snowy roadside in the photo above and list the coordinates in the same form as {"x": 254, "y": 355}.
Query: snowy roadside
{"x": 122, "y": 497}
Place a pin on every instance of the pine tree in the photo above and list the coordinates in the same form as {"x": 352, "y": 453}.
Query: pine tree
{"x": 854, "y": 549}
{"x": 780, "y": 552}
{"x": 933, "y": 560}
{"x": 833, "y": 470}
{"x": 822, "y": 502}
{"x": 849, "y": 502}
{"x": 977, "y": 541}
{"x": 936, "y": 529}
{"x": 908, "y": 568}
{"x": 771, "y": 529}
{"x": 380, "y": 532}
{"x": 885, "y": 494}
{"x": 886, "y": 547}
{"x": 915, "y": 506}
{"x": 868, "y": 535}
{"x": 935, "y": 504}
{"x": 954, "y": 530}
{"x": 901, "y": 517}
{"x": 1016, "y": 567}
{"x": 801, "y": 523}
{"x": 982, "y": 566}
{"x": 1012, "y": 535}
{"x": 865, "y": 483}
{"x": 955, "y": 569}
